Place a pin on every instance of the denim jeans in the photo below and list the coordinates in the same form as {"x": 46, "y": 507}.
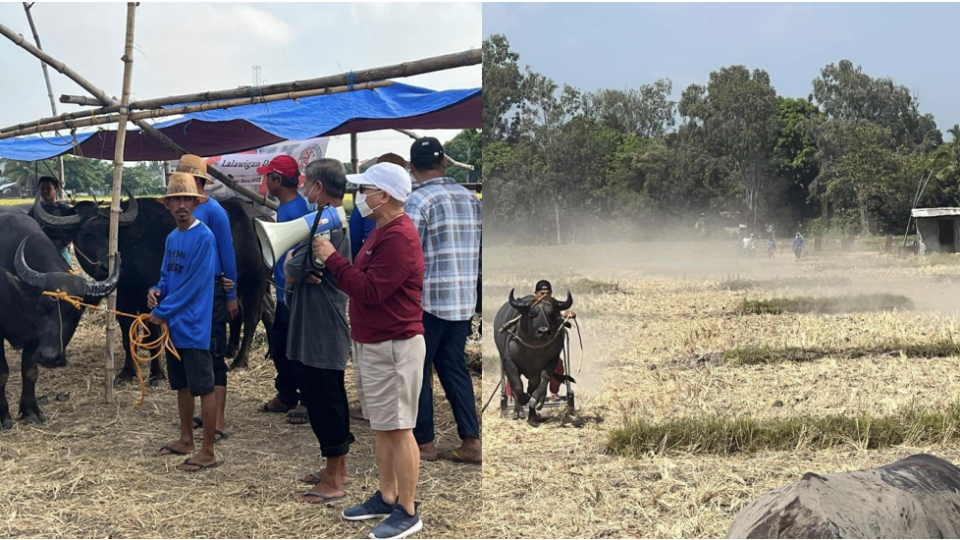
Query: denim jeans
{"x": 446, "y": 341}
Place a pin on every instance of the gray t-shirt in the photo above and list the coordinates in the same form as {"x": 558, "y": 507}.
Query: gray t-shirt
{"x": 318, "y": 336}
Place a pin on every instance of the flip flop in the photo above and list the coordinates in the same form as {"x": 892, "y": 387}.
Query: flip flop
{"x": 197, "y": 423}
{"x": 322, "y": 498}
{"x": 316, "y": 480}
{"x": 222, "y": 436}
{"x": 298, "y": 418}
{"x": 199, "y": 466}
{"x": 454, "y": 456}
{"x": 171, "y": 451}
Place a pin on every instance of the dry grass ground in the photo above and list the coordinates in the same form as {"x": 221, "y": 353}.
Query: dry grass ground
{"x": 91, "y": 470}
{"x": 562, "y": 479}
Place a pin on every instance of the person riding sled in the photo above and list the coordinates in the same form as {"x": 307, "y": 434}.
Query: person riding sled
{"x": 542, "y": 291}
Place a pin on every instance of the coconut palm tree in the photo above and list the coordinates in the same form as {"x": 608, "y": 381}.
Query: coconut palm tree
{"x": 946, "y": 160}
{"x": 20, "y": 172}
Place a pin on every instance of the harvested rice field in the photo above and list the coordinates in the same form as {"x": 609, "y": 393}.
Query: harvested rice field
{"x": 691, "y": 406}
{"x": 90, "y": 471}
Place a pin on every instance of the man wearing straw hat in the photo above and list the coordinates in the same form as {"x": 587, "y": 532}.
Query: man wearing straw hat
{"x": 385, "y": 286}
{"x": 184, "y": 301}
{"x": 225, "y": 302}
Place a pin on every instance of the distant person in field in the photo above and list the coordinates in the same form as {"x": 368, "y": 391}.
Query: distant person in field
{"x": 49, "y": 187}
{"x": 771, "y": 247}
{"x": 798, "y": 245}
{"x": 748, "y": 246}
{"x": 541, "y": 291}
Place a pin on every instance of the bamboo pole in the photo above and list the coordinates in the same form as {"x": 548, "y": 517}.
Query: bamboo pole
{"x": 446, "y": 158}
{"x": 354, "y": 156}
{"x": 46, "y": 79}
{"x": 187, "y": 109}
{"x": 85, "y": 101}
{"x": 164, "y": 141}
{"x": 115, "y": 203}
{"x": 407, "y": 69}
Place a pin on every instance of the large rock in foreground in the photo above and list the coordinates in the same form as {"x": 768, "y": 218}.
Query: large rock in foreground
{"x": 917, "y": 497}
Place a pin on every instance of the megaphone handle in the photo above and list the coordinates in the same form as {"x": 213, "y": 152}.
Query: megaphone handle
{"x": 313, "y": 233}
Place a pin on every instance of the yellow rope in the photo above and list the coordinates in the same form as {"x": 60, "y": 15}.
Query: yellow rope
{"x": 139, "y": 323}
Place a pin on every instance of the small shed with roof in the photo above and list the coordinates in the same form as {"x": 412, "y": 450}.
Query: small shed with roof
{"x": 938, "y": 229}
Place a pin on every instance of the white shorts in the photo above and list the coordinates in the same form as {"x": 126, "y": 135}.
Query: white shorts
{"x": 389, "y": 377}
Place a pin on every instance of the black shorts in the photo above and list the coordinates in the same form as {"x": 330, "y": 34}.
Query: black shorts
{"x": 218, "y": 332}
{"x": 194, "y": 370}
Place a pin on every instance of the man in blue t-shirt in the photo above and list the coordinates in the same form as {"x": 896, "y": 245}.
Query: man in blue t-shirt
{"x": 283, "y": 178}
{"x": 184, "y": 301}
{"x": 225, "y": 305}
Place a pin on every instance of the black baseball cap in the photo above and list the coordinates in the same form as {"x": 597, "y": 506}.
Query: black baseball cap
{"x": 51, "y": 179}
{"x": 426, "y": 150}
{"x": 543, "y": 285}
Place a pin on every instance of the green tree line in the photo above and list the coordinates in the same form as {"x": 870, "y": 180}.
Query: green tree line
{"x": 146, "y": 178}
{"x": 562, "y": 162}
{"x": 83, "y": 175}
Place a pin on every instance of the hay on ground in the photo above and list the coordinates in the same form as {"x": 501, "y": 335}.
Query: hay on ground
{"x": 91, "y": 470}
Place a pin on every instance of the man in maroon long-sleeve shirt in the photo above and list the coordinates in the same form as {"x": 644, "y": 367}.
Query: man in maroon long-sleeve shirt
{"x": 385, "y": 286}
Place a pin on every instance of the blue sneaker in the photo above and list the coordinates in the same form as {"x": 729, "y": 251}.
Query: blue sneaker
{"x": 375, "y": 507}
{"x": 400, "y": 524}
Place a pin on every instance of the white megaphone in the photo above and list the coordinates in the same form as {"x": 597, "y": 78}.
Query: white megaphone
{"x": 278, "y": 238}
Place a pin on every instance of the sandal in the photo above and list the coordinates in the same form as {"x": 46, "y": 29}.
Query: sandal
{"x": 170, "y": 451}
{"x": 218, "y": 436}
{"x": 298, "y": 416}
{"x": 199, "y": 466}
{"x": 276, "y": 408}
{"x": 316, "y": 479}
{"x": 318, "y": 497}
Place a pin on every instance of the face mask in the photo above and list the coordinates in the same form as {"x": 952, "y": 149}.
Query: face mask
{"x": 362, "y": 207}
{"x": 312, "y": 207}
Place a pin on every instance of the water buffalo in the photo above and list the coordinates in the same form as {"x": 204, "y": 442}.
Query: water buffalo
{"x": 916, "y": 497}
{"x": 40, "y": 325}
{"x": 16, "y": 208}
{"x": 144, "y": 226}
{"x": 530, "y": 347}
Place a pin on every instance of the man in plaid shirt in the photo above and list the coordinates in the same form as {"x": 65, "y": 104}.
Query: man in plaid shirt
{"x": 449, "y": 220}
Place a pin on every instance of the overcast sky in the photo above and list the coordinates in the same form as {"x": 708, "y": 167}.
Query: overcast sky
{"x": 183, "y": 48}
{"x": 593, "y": 46}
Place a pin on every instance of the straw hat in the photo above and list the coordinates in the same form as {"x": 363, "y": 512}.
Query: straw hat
{"x": 194, "y": 165}
{"x": 182, "y": 184}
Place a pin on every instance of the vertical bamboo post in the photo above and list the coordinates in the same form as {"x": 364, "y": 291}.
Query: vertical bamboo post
{"x": 46, "y": 79}
{"x": 115, "y": 202}
{"x": 354, "y": 158}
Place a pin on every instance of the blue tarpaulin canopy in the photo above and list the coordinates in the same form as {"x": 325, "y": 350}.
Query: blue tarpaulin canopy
{"x": 238, "y": 129}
